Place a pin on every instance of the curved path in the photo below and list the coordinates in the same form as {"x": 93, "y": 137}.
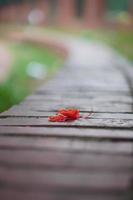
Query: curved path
{"x": 5, "y": 62}
{"x": 90, "y": 158}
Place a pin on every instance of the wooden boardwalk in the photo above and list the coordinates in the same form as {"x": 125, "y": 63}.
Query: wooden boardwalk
{"x": 88, "y": 159}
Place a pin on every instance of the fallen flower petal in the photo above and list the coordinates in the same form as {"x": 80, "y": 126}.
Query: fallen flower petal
{"x": 71, "y": 114}
{"x": 58, "y": 118}
{"x": 68, "y": 115}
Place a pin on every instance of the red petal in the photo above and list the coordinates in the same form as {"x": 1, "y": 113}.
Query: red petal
{"x": 71, "y": 114}
{"x": 58, "y": 118}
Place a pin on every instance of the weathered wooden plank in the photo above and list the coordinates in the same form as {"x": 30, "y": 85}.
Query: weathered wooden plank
{"x": 105, "y": 162}
{"x": 40, "y": 143}
{"x": 33, "y": 159}
{"x": 64, "y": 161}
{"x": 103, "y": 147}
{"x": 65, "y": 144}
{"x": 80, "y": 91}
{"x": 42, "y": 180}
{"x": 86, "y": 123}
{"x": 70, "y": 133}
{"x": 89, "y": 86}
{"x": 90, "y": 97}
{"x": 72, "y": 102}
{"x": 93, "y": 78}
{"x": 83, "y": 89}
{"x": 106, "y": 107}
{"x": 80, "y": 101}
{"x": 8, "y": 194}
{"x": 17, "y": 111}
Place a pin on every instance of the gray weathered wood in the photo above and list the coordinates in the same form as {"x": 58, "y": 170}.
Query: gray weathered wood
{"x": 86, "y": 123}
{"x": 90, "y": 158}
{"x": 115, "y": 134}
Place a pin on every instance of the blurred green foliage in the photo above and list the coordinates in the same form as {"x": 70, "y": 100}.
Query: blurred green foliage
{"x": 20, "y": 84}
{"x": 118, "y": 5}
{"x": 6, "y": 2}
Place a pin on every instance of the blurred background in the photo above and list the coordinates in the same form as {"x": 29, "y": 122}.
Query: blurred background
{"x": 25, "y": 63}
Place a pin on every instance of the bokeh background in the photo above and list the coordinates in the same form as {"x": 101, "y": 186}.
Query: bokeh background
{"x": 25, "y": 64}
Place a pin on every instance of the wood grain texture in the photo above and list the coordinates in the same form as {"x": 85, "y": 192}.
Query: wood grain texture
{"x": 70, "y": 132}
{"x": 90, "y": 158}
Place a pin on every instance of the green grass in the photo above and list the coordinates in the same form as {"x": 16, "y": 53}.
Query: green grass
{"x": 122, "y": 41}
{"x": 20, "y": 84}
